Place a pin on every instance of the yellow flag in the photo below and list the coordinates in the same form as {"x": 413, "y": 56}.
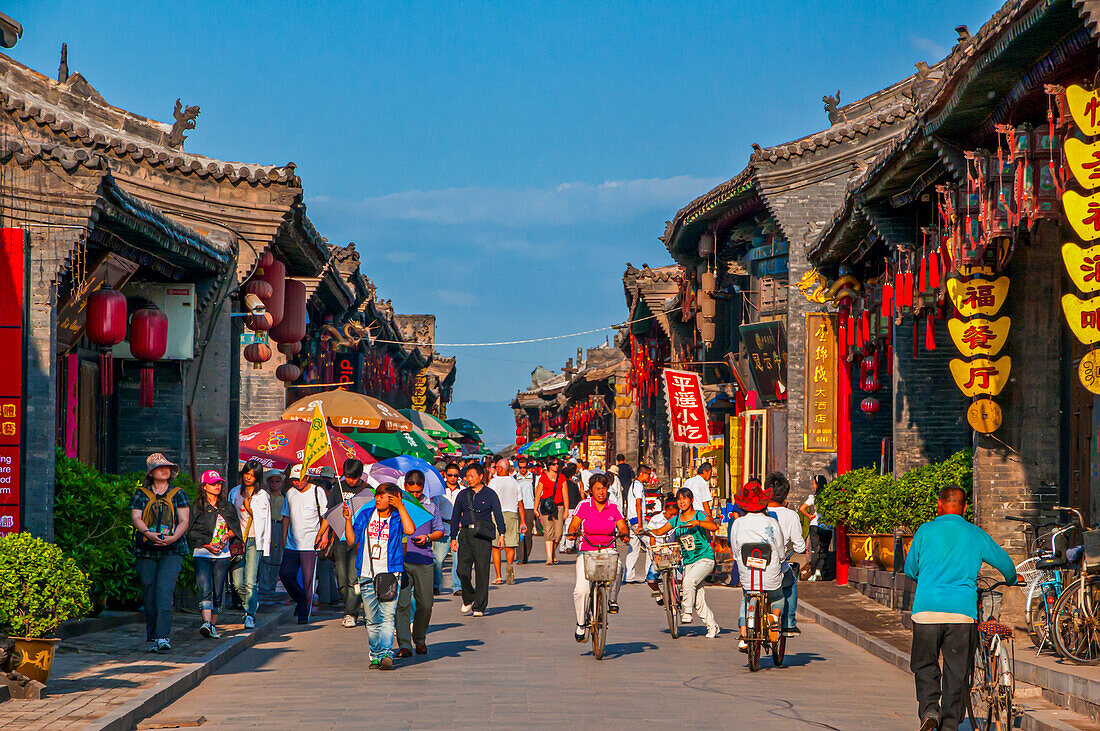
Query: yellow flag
{"x": 317, "y": 444}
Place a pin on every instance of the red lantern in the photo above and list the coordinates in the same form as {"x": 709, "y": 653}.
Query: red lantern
{"x": 105, "y": 325}
{"x": 148, "y": 343}
{"x": 275, "y": 276}
{"x": 266, "y": 259}
{"x": 259, "y": 323}
{"x": 288, "y": 373}
{"x": 870, "y": 406}
{"x": 257, "y": 353}
{"x": 260, "y": 288}
{"x": 292, "y": 325}
{"x": 289, "y": 349}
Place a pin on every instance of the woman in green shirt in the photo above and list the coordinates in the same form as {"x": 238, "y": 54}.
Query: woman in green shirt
{"x": 691, "y": 528}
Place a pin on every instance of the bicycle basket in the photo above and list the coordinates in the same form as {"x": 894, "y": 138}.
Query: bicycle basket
{"x": 1091, "y": 543}
{"x": 666, "y": 556}
{"x": 989, "y": 606}
{"x": 600, "y": 566}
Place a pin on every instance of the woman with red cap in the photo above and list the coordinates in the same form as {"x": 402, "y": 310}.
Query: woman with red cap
{"x": 756, "y": 526}
{"x": 215, "y": 525}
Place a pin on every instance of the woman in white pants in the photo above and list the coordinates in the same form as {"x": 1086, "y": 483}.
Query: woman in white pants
{"x": 691, "y": 527}
{"x": 601, "y": 522}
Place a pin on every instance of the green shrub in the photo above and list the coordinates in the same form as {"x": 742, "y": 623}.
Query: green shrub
{"x": 40, "y": 587}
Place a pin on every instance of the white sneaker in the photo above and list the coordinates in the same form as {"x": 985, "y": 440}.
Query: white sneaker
{"x": 249, "y": 622}
{"x": 214, "y": 633}
{"x": 742, "y": 646}
{"x": 712, "y": 632}
{"x": 153, "y": 646}
{"x": 479, "y": 614}
{"x": 205, "y": 630}
{"x": 349, "y": 621}
{"x": 163, "y": 645}
{"x": 685, "y": 618}
{"x": 466, "y": 608}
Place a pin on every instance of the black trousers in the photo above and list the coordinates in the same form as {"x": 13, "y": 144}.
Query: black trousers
{"x": 347, "y": 578}
{"x": 942, "y": 694}
{"x": 474, "y": 553}
{"x": 820, "y": 538}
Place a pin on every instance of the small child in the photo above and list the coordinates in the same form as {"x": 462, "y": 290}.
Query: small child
{"x": 659, "y": 521}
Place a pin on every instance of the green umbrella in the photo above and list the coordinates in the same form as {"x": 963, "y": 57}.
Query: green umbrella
{"x": 383, "y": 445}
{"x": 549, "y": 448}
{"x": 465, "y": 427}
{"x": 435, "y": 427}
{"x": 450, "y": 446}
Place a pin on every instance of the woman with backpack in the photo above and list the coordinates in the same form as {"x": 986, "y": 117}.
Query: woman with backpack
{"x": 159, "y": 513}
{"x": 253, "y": 506}
{"x": 215, "y": 526}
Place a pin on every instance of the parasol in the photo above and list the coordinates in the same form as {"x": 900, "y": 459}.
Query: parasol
{"x": 433, "y": 481}
{"x": 279, "y": 444}
{"x": 465, "y": 427}
{"x": 435, "y": 427}
{"x": 350, "y": 410}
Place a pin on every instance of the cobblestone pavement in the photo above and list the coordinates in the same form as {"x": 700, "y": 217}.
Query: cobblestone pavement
{"x": 95, "y": 674}
{"x": 519, "y": 666}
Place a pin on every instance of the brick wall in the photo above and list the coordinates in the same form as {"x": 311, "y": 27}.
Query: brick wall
{"x": 263, "y": 396}
{"x": 160, "y": 428}
{"x": 869, "y": 431}
{"x": 215, "y": 437}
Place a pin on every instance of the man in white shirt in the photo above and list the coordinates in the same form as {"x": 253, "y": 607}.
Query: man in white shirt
{"x": 636, "y": 518}
{"x": 792, "y": 531}
{"x": 700, "y": 488}
{"x": 451, "y": 487}
{"x": 526, "y": 481}
{"x": 507, "y": 490}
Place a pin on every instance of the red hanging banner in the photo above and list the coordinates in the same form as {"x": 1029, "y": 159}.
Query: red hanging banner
{"x": 13, "y": 254}
{"x": 687, "y": 413}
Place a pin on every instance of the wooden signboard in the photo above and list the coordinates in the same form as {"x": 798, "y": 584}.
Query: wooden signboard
{"x": 110, "y": 269}
{"x": 14, "y": 247}
{"x": 978, "y": 296}
{"x": 979, "y": 336}
{"x": 981, "y": 376}
{"x": 819, "y": 427}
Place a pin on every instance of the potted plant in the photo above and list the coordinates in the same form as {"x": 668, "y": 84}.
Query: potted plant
{"x": 40, "y": 588}
{"x": 859, "y": 501}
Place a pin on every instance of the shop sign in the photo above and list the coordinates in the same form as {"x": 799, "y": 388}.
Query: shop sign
{"x": 979, "y": 336}
{"x": 596, "y": 449}
{"x": 1084, "y": 107}
{"x": 1083, "y": 318}
{"x": 819, "y": 427}
{"x": 984, "y": 416}
{"x": 1089, "y": 371}
{"x": 1083, "y": 212}
{"x": 420, "y": 390}
{"x": 1083, "y": 266}
{"x": 978, "y": 296}
{"x": 111, "y": 270}
{"x": 767, "y": 351}
{"x": 345, "y": 368}
{"x": 981, "y": 376}
{"x": 13, "y": 252}
{"x": 687, "y": 414}
{"x": 1084, "y": 162}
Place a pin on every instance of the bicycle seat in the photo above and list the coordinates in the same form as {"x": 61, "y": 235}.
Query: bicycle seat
{"x": 1051, "y": 563}
{"x": 993, "y": 627}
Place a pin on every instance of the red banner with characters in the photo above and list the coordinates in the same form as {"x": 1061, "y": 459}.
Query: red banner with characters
{"x": 13, "y": 252}
{"x": 687, "y": 412}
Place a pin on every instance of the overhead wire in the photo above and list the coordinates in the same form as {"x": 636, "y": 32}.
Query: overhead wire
{"x": 516, "y": 342}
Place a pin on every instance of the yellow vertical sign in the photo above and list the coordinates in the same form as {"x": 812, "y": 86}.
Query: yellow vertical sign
{"x": 819, "y": 427}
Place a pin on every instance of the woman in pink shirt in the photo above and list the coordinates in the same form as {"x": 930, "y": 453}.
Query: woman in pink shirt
{"x": 601, "y": 522}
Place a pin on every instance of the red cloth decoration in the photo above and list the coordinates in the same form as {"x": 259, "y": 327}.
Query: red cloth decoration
{"x": 887, "y": 300}
{"x": 934, "y": 271}
{"x": 923, "y": 283}
{"x": 929, "y": 332}
{"x": 907, "y": 286}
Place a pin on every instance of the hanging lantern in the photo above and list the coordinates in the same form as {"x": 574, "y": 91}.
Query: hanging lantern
{"x": 257, "y": 354}
{"x": 266, "y": 259}
{"x": 870, "y": 406}
{"x": 289, "y": 349}
{"x": 292, "y": 326}
{"x": 259, "y": 323}
{"x": 274, "y": 275}
{"x": 105, "y": 325}
{"x": 288, "y": 373}
{"x": 260, "y": 288}
{"x": 148, "y": 343}
{"x": 706, "y": 244}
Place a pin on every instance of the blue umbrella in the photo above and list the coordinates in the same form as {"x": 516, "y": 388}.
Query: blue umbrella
{"x": 433, "y": 481}
{"x": 417, "y": 513}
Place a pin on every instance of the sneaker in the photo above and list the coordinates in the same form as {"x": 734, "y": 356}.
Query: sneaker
{"x": 579, "y": 633}
{"x": 154, "y": 646}
{"x": 479, "y": 614}
{"x": 466, "y": 608}
{"x": 205, "y": 629}
{"x": 435, "y": 591}
{"x": 214, "y": 633}
{"x": 404, "y": 652}
{"x": 791, "y": 631}
{"x": 742, "y": 646}
{"x": 386, "y": 663}
{"x": 685, "y": 618}
{"x": 374, "y": 664}
{"x": 929, "y": 724}
{"x": 349, "y": 620}
{"x": 249, "y": 622}
{"x": 456, "y": 592}
{"x": 713, "y": 631}
{"x": 163, "y": 645}
{"x": 612, "y": 607}
{"x": 510, "y": 575}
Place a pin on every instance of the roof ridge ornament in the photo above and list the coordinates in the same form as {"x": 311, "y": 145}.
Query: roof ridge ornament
{"x": 185, "y": 120}
{"x": 63, "y": 69}
{"x": 831, "y": 103}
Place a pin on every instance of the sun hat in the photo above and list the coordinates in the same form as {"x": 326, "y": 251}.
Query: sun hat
{"x": 753, "y": 497}
{"x": 157, "y": 460}
{"x": 211, "y": 477}
{"x": 613, "y": 469}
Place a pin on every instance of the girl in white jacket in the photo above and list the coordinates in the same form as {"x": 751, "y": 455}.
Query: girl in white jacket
{"x": 254, "y": 511}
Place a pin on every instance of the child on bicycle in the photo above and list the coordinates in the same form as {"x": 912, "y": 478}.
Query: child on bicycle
{"x": 601, "y": 522}
{"x": 656, "y": 522}
{"x": 756, "y": 526}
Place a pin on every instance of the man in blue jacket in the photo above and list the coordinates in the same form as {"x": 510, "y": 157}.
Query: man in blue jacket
{"x": 944, "y": 559}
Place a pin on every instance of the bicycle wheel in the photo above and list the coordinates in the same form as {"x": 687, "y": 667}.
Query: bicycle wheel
{"x": 981, "y": 687}
{"x": 1035, "y": 617}
{"x": 1076, "y": 619}
{"x": 755, "y": 638}
{"x": 778, "y": 650}
{"x": 599, "y": 621}
{"x": 668, "y": 590}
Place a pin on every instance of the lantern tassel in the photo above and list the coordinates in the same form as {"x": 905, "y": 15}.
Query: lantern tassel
{"x": 908, "y": 288}
{"x": 899, "y": 291}
{"x": 145, "y": 392}
{"x": 106, "y": 373}
{"x": 934, "y": 270}
{"x": 922, "y": 284}
{"x": 929, "y": 332}
{"x": 887, "y": 300}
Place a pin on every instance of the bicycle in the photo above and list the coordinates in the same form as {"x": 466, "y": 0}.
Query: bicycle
{"x": 666, "y": 560}
{"x": 1076, "y": 616}
{"x": 601, "y": 570}
{"x": 993, "y": 679}
{"x": 762, "y": 635}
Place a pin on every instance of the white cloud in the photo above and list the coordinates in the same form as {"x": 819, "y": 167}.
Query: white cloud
{"x": 567, "y": 203}
{"x": 456, "y": 298}
{"x": 934, "y": 50}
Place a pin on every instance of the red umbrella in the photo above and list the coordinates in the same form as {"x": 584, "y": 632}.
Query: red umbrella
{"x": 278, "y": 444}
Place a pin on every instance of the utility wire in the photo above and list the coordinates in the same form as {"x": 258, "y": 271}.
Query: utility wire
{"x": 514, "y": 342}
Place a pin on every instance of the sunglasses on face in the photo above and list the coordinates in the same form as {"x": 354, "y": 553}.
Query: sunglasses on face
{"x": 452, "y": 474}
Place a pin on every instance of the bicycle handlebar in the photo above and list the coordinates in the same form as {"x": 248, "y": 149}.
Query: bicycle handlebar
{"x": 994, "y": 586}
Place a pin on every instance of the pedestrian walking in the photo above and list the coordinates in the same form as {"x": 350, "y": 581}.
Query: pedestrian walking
{"x": 451, "y": 487}
{"x": 253, "y": 507}
{"x": 526, "y": 481}
{"x": 303, "y": 511}
{"x": 343, "y": 554}
{"x": 615, "y": 489}
{"x": 378, "y": 532}
{"x": 944, "y": 559}
{"x": 625, "y": 471}
{"x": 552, "y": 507}
{"x": 475, "y": 523}
{"x": 791, "y": 526}
{"x": 508, "y": 492}
{"x": 821, "y": 536}
{"x": 691, "y": 528}
{"x": 215, "y": 525}
{"x": 636, "y": 519}
{"x": 419, "y": 574}
{"x": 269, "y": 565}
{"x": 700, "y": 488}
{"x": 159, "y": 512}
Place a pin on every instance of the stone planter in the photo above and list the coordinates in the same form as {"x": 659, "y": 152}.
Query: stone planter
{"x": 34, "y": 657}
{"x": 882, "y": 547}
{"x": 861, "y": 549}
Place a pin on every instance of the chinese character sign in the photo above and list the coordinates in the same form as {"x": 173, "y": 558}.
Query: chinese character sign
{"x": 1084, "y": 107}
{"x": 981, "y": 376}
{"x": 978, "y": 296}
{"x": 687, "y": 413}
{"x": 13, "y": 251}
{"x": 979, "y": 336}
{"x": 1083, "y": 213}
{"x": 1083, "y": 266}
{"x": 1083, "y": 317}
{"x": 1084, "y": 162}
{"x": 819, "y": 428}
{"x": 767, "y": 351}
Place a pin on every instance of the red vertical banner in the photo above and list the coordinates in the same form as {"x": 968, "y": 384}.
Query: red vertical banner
{"x": 13, "y": 250}
{"x": 687, "y": 412}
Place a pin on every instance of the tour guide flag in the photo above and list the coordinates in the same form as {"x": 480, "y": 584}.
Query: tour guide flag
{"x": 687, "y": 414}
{"x": 317, "y": 444}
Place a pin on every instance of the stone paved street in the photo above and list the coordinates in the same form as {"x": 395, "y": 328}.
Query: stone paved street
{"x": 519, "y": 666}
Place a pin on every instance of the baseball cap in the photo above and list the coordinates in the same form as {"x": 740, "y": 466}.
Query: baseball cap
{"x": 296, "y": 472}
{"x": 211, "y": 477}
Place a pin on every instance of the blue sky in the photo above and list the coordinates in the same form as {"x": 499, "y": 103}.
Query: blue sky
{"x": 497, "y": 164}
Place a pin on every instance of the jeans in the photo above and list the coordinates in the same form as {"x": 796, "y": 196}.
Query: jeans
{"x": 300, "y": 592}
{"x": 268, "y": 576}
{"x": 378, "y": 617}
{"x": 418, "y": 591}
{"x": 790, "y": 598}
{"x": 775, "y": 597}
{"x": 245, "y": 572}
{"x": 582, "y": 587}
{"x": 210, "y": 576}
{"x": 440, "y": 549}
{"x": 941, "y": 694}
{"x": 347, "y": 577}
{"x": 158, "y": 580}
{"x": 474, "y": 554}
{"x": 693, "y": 594}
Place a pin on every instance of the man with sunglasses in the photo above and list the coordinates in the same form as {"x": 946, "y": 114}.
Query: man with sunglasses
{"x": 451, "y": 488}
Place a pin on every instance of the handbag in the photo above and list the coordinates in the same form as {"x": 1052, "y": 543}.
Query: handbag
{"x": 547, "y": 506}
{"x": 326, "y": 552}
{"x": 387, "y": 584}
{"x": 485, "y": 529}
{"x": 236, "y": 548}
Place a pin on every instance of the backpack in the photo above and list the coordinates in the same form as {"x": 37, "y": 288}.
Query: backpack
{"x": 158, "y": 512}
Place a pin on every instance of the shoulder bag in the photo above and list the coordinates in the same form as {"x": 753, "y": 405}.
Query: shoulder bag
{"x": 483, "y": 529}
{"x": 236, "y": 548}
{"x": 326, "y": 552}
{"x": 386, "y": 585}
{"x": 547, "y": 506}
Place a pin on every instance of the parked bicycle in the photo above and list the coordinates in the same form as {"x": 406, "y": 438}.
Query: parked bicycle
{"x": 1075, "y": 621}
{"x": 761, "y": 625}
{"x": 993, "y": 678}
{"x": 1041, "y": 574}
